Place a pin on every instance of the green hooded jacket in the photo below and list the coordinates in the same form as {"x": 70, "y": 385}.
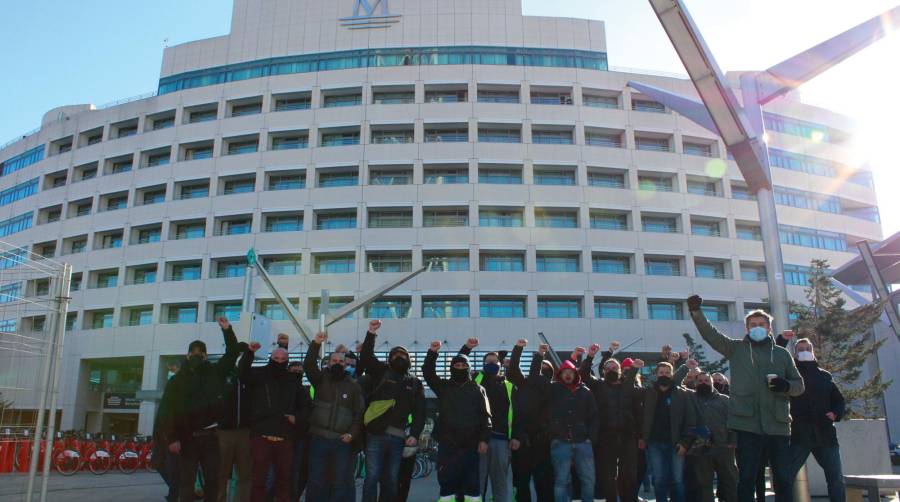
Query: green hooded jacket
{"x": 753, "y": 407}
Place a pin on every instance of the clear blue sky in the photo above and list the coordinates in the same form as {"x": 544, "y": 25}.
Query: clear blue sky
{"x": 59, "y": 52}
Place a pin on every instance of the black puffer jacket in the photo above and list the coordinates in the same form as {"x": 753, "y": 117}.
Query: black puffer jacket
{"x": 808, "y": 409}
{"x": 338, "y": 405}
{"x": 386, "y": 384}
{"x": 618, "y": 403}
{"x": 465, "y": 415}
{"x": 573, "y": 412}
{"x": 531, "y": 419}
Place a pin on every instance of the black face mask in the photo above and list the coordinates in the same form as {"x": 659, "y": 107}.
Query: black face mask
{"x": 195, "y": 361}
{"x": 278, "y": 367}
{"x": 459, "y": 375}
{"x": 664, "y": 381}
{"x": 690, "y": 385}
{"x": 283, "y": 345}
{"x": 400, "y": 365}
{"x": 722, "y": 388}
{"x": 547, "y": 373}
{"x": 704, "y": 390}
{"x": 337, "y": 372}
{"x": 611, "y": 376}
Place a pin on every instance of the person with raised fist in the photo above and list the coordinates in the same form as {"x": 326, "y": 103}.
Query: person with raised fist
{"x": 336, "y": 419}
{"x": 618, "y": 405}
{"x": 234, "y": 430}
{"x": 713, "y": 453}
{"x": 394, "y": 419}
{"x": 763, "y": 379}
{"x": 464, "y": 421}
{"x": 530, "y": 442}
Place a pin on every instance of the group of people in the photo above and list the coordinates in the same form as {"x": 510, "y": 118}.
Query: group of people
{"x": 564, "y": 431}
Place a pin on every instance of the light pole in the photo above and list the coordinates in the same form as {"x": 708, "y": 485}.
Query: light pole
{"x": 742, "y": 127}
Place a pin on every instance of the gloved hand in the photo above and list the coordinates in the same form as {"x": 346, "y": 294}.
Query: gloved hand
{"x": 779, "y": 384}
{"x": 694, "y": 303}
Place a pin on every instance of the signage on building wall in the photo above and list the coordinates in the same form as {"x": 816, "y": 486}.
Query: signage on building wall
{"x": 121, "y": 401}
{"x": 368, "y": 14}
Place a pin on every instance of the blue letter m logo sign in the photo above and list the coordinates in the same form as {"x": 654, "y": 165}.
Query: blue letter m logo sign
{"x": 369, "y": 9}
{"x": 370, "y": 14}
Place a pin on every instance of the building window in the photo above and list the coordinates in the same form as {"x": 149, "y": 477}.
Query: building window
{"x": 606, "y": 179}
{"x": 559, "y": 218}
{"x": 446, "y": 96}
{"x": 551, "y": 98}
{"x": 154, "y": 197}
{"x": 611, "y": 308}
{"x": 334, "y": 304}
{"x": 754, "y": 273}
{"x": 235, "y": 227}
{"x": 559, "y": 308}
{"x": 241, "y": 147}
{"x": 445, "y": 308}
{"x": 716, "y": 312}
{"x": 500, "y": 175}
{"x": 447, "y": 135}
{"x": 144, "y": 275}
{"x": 163, "y": 123}
{"x": 495, "y": 262}
{"x": 292, "y": 142}
{"x": 392, "y": 136}
{"x": 111, "y": 241}
{"x": 335, "y": 264}
{"x": 284, "y": 223}
{"x": 611, "y": 264}
{"x": 83, "y": 209}
{"x": 446, "y": 217}
{"x": 709, "y": 269}
{"x": 78, "y": 246}
{"x": 148, "y": 235}
{"x": 288, "y": 103}
{"x": 655, "y": 183}
{"x": 240, "y": 110}
{"x": 22, "y": 160}
{"x": 122, "y": 166}
{"x": 503, "y": 308}
{"x": 652, "y": 144}
{"x": 700, "y": 187}
{"x": 498, "y": 96}
{"x": 190, "y": 231}
{"x": 797, "y": 127}
{"x": 101, "y": 319}
{"x": 500, "y": 217}
{"x": 340, "y": 138}
{"x": 182, "y": 314}
{"x": 748, "y": 232}
{"x": 600, "y": 101}
{"x": 553, "y": 262}
{"x": 194, "y": 191}
{"x": 389, "y": 262}
{"x": 185, "y": 272}
{"x": 336, "y": 220}
{"x": 230, "y": 311}
{"x": 796, "y": 275}
{"x": 664, "y": 311}
{"x": 604, "y": 139}
{"x": 199, "y": 152}
{"x": 662, "y": 266}
{"x": 140, "y": 316}
{"x": 642, "y": 105}
{"x": 706, "y": 228}
{"x": 551, "y": 137}
{"x": 287, "y": 181}
{"x": 339, "y": 100}
{"x": 390, "y": 218}
{"x": 389, "y": 308}
{"x": 808, "y": 237}
{"x": 231, "y": 269}
{"x": 282, "y": 266}
{"x": 544, "y": 176}
{"x": 329, "y": 179}
{"x": 390, "y": 177}
{"x": 701, "y": 149}
{"x": 393, "y": 97}
{"x": 239, "y": 186}
{"x": 109, "y": 279}
{"x": 446, "y": 176}
{"x": 447, "y": 262}
{"x": 603, "y": 220}
{"x": 499, "y": 135}
{"x": 660, "y": 224}
{"x": 202, "y": 115}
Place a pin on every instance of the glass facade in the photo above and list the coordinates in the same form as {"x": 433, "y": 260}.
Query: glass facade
{"x": 19, "y": 192}
{"x": 559, "y": 308}
{"x": 445, "y": 308}
{"x": 22, "y": 160}
{"x": 387, "y": 57}
{"x": 502, "y": 307}
{"x": 608, "y": 308}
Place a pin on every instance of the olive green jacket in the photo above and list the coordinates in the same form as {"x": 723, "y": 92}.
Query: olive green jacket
{"x": 753, "y": 407}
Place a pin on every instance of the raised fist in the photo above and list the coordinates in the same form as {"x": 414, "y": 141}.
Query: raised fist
{"x": 374, "y": 324}
{"x": 694, "y": 303}
{"x": 543, "y": 348}
{"x": 321, "y": 337}
{"x": 578, "y": 352}
{"x": 254, "y": 346}
{"x": 223, "y": 323}
{"x": 692, "y": 364}
{"x": 638, "y": 363}
{"x": 522, "y": 343}
{"x": 472, "y": 343}
{"x": 435, "y": 346}
{"x": 613, "y": 347}
{"x": 593, "y": 349}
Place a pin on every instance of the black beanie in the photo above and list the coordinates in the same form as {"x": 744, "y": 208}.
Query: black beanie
{"x": 397, "y": 349}
{"x": 196, "y": 343}
{"x": 460, "y": 358}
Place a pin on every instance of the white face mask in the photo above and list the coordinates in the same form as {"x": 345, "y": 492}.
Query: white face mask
{"x": 805, "y": 356}
{"x": 758, "y": 333}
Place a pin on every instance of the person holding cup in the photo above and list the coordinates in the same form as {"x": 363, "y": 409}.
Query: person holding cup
{"x": 763, "y": 379}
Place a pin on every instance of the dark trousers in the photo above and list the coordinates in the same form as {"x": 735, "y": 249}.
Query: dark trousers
{"x": 299, "y": 469}
{"x": 641, "y": 472}
{"x": 458, "y": 470}
{"x": 616, "y": 465}
{"x": 234, "y": 448}
{"x": 201, "y": 451}
{"x": 829, "y": 457}
{"x": 690, "y": 480}
{"x": 168, "y": 469}
{"x": 532, "y": 462}
{"x": 383, "y": 455}
{"x": 750, "y": 453}
{"x": 403, "y": 480}
{"x": 330, "y": 472}
{"x": 267, "y": 454}
{"x": 719, "y": 461}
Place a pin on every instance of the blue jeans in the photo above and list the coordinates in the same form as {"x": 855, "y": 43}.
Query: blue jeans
{"x": 667, "y": 468}
{"x": 329, "y": 460}
{"x": 562, "y": 454}
{"x": 829, "y": 457}
{"x": 383, "y": 455}
{"x": 750, "y": 457}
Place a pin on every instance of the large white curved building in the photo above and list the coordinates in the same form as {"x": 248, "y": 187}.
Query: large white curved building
{"x": 349, "y": 140}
